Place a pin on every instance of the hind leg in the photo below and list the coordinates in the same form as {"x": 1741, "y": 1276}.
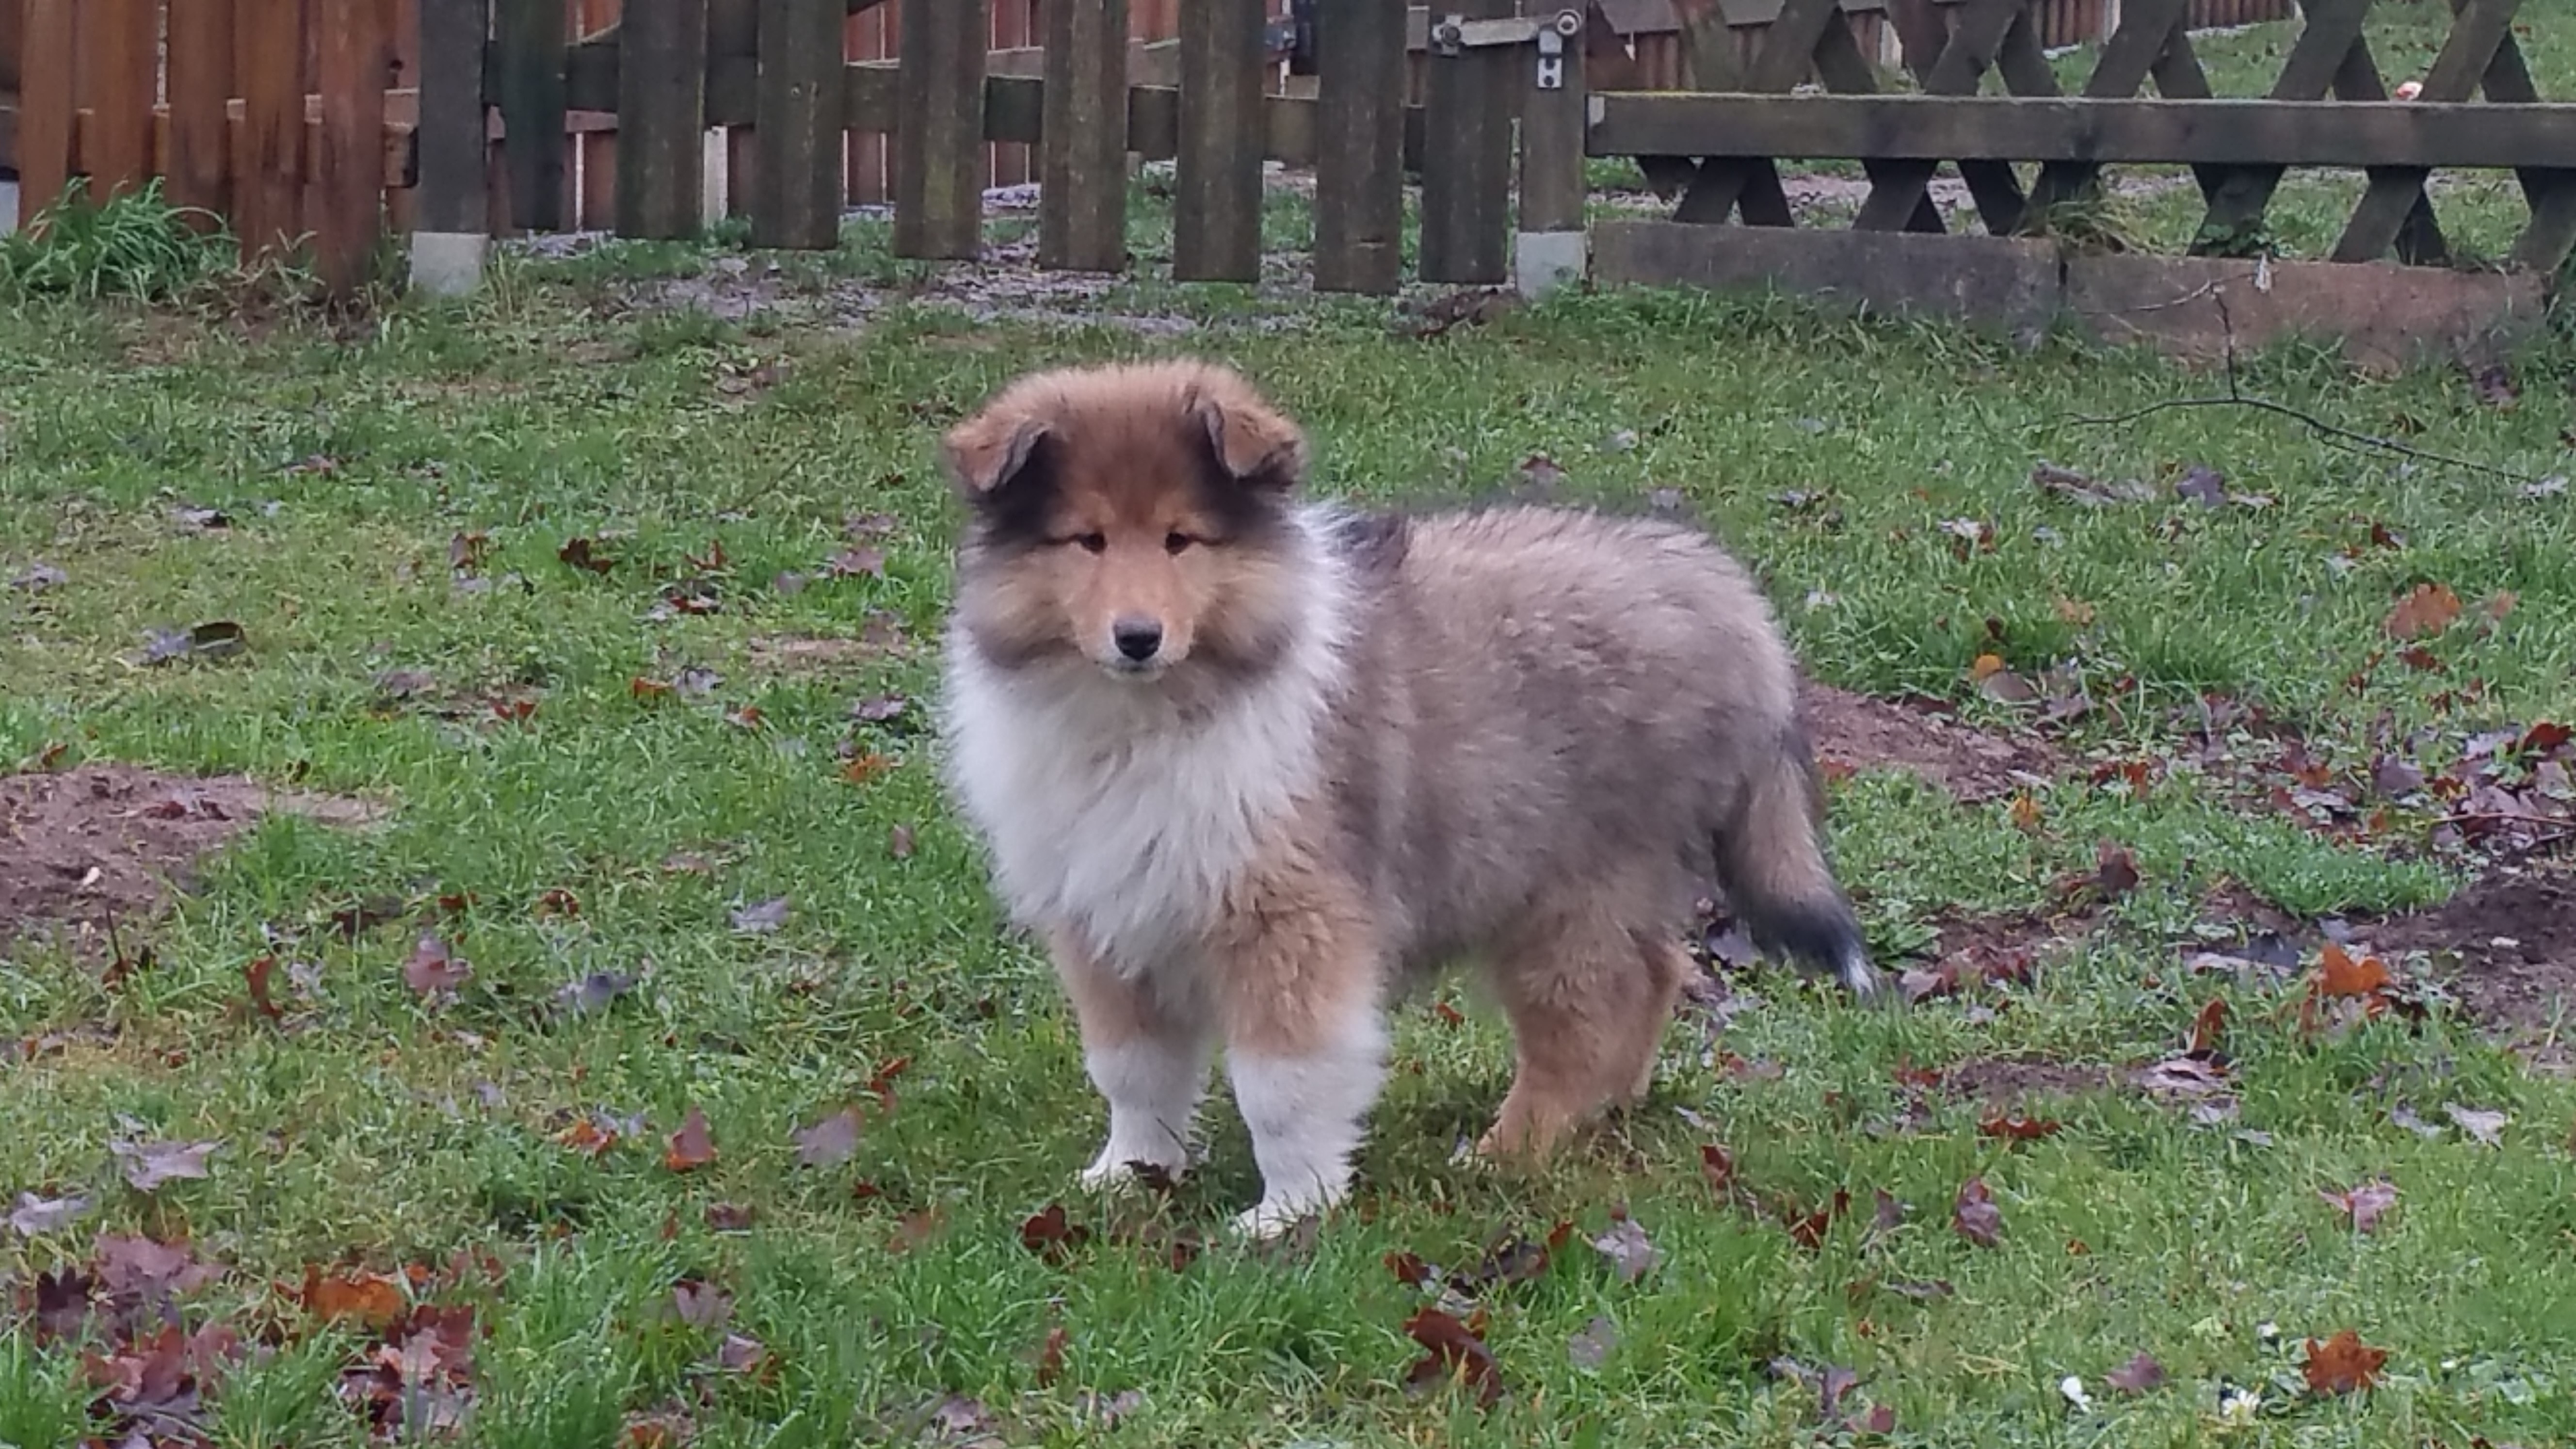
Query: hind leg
{"x": 1588, "y": 994}
{"x": 1668, "y": 966}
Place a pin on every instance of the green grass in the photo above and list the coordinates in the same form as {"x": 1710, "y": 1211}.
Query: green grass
{"x": 136, "y": 246}
{"x": 389, "y": 1129}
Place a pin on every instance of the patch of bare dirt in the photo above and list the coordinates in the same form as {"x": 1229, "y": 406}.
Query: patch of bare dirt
{"x": 880, "y": 637}
{"x": 2009, "y": 1082}
{"x": 1858, "y": 732}
{"x": 107, "y": 843}
{"x": 2513, "y": 935}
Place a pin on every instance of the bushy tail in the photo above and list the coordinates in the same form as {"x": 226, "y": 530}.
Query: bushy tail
{"x": 1771, "y": 862}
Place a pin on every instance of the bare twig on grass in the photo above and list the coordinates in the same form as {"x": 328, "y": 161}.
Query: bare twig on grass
{"x": 2235, "y": 397}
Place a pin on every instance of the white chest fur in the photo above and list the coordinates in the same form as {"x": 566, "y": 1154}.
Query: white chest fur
{"x": 1108, "y": 813}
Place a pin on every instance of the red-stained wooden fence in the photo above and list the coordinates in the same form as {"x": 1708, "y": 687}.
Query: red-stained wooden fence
{"x": 286, "y": 118}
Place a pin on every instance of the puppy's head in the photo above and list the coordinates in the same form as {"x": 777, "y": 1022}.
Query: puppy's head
{"x": 1133, "y": 515}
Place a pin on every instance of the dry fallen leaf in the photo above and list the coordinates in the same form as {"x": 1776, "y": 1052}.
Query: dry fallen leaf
{"x": 1590, "y": 1349}
{"x": 2076, "y": 487}
{"x": 258, "y": 976}
{"x": 373, "y": 1301}
{"x": 2428, "y": 608}
{"x": 2185, "y": 1074}
{"x": 1808, "y": 1231}
{"x": 2363, "y": 1204}
{"x": 214, "y": 639}
{"x": 913, "y": 1228}
{"x": 1717, "y": 1167}
{"x": 147, "y": 1165}
{"x": 593, "y": 992}
{"x": 1453, "y": 1352}
{"x": 434, "y": 966}
{"x": 1540, "y": 473}
{"x": 701, "y": 1304}
{"x": 2340, "y": 973}
{"x": 1999, "y": 683}
{"x": 2485, "y": 1126}
{"x": 2014, "y": 1127}
{"x": 692, "y": 1147}
{"x": 865, "y": 768}
{"x": 2115, "y": 870}
{"x": 856, "y": 563}
{"x": 2343, "y": 1364}
{"x": 35, "y": 1216}
{"x": 2209, "y": 1027}
{"x": 830, "y": 1142}
{"x": 1049, "y": 1234}
{"x": 2139, "y": 1375}
{"x": 2202, "y": 485}
{"x": 2495, "y": 387}
{"x": 1975, "y": 1216}
{"x": 1051, "y": 1355}
{"x": 1631, "y": 1253}
{"x": 583, "y": 553}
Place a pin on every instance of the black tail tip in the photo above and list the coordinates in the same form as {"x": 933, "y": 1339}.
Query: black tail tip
{"x": 1822, "y": 937}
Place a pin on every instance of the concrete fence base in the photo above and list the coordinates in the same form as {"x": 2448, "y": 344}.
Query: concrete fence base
{"x": 2383, "y": 315}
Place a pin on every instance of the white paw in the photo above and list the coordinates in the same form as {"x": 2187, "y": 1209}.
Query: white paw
{"x": 1115, "y": 1170}
{"x": 1268, "y": 1222}
{"x": 1862, "y": 978}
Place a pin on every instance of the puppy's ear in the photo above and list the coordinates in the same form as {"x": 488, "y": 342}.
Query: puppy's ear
{"x": 1253, "y": 441}
{"x": 989, "y": 449}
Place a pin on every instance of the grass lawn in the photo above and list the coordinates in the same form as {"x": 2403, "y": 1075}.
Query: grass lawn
{"x": 655, "y": 878}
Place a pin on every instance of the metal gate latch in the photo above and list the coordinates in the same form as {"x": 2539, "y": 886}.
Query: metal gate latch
{"x": 1456, "y": 34}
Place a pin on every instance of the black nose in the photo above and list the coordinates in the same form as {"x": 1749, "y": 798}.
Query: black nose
{"x": 1137, "y": 638}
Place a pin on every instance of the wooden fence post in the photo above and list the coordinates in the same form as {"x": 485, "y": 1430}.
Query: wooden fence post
{"x": 355, "y": 62}
{"x": 1082, "y": 138}
{"x": 201, "y": 86}
{"x": 1467, "y": 104}
{"x": 532, "y": 110}
{"x": 45, "y": 106}
{"x": 1549, "y": 250}
{"x": 451, "y": 226}
{"x": 1359, "y": 146}
{"x": 1216, "y": 203}
{"x": 268, "y": 167}
{"x": 123, "y": 45}
{"x": 939, "y": 149}
{"x": 661, "y": 115}
{"x": 796, "y": 170}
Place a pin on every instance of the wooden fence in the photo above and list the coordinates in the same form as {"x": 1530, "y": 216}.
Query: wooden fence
{"x": 468, "y": 118}
{"x": 1649, "y": 33}
{"x": 1719, "y": 145}
{"x": 287, "y": 118}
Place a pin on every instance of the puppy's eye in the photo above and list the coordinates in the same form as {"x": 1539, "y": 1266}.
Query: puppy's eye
{"x": 1175, "y": 542}
{"x": 1092, "y": 542}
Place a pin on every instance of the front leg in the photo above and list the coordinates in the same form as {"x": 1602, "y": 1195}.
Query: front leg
{"x": 1146, "y": 1049}
{"x": 1300, "y": 971}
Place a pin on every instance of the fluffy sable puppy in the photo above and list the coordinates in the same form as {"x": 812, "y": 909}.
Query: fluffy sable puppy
{"x": 1251, "y": 765}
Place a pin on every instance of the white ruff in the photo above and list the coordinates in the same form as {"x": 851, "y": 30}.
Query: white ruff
{"x": 1105, "y": 810}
